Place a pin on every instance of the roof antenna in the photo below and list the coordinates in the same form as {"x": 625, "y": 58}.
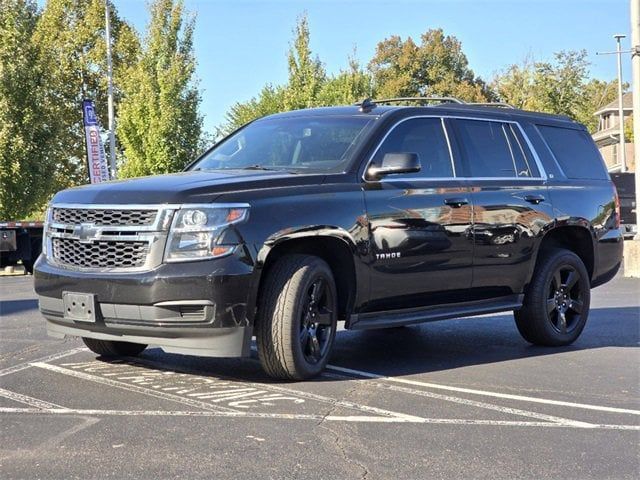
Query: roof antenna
{"x": 366, "y": 105}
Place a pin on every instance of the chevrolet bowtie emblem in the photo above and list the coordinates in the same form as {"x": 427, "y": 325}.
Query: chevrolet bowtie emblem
{"x": 85, "y": 232}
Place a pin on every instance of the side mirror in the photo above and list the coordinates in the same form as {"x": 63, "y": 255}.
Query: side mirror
{"x": 394, "y": 163}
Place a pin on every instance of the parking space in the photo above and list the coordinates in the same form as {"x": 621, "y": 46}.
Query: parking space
{"x": 463, "y": 398}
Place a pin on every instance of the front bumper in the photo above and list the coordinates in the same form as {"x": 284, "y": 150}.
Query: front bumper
{"x": 196, "y": 308}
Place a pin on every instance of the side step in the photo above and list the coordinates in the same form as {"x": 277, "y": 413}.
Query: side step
{"x": 397, "y": 318}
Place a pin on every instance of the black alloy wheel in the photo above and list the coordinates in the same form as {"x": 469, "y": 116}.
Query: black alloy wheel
{"x": 556, "y": 301}
{"x": 297, "y": 317}
{"x": 565, "y": 303}
{"x": 316, "y": 325}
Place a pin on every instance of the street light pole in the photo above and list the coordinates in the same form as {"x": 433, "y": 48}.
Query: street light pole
{"x": 635, "y": 73}
{"x": 112, "y": 135}
{"x": 622, "y": 147}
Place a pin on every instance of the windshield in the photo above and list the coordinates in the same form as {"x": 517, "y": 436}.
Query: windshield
{"x": 316, "y": 144}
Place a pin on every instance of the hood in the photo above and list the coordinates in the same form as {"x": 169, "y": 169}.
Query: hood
{"x": 185, "y": 187}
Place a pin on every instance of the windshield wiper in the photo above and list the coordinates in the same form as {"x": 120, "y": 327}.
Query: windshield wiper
{"x": 256, "y": 167}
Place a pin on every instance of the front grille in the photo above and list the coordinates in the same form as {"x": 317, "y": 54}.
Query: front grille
{"x": 104, "y": 217}
{"x": 100, "y": 254}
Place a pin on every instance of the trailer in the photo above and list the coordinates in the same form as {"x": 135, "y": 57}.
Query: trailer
{"x": 20, "y": 242}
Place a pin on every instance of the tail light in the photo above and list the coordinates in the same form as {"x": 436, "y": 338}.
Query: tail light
{"x": 617, "y": 202}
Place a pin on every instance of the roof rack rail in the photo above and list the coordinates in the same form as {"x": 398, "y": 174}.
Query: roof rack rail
{"x": 491, "y": 104}
{"x": 368, "y": 104}
{"x": 419, "y": 99}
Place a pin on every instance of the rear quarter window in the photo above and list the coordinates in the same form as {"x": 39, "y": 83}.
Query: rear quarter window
{"x": 575, "y": 152}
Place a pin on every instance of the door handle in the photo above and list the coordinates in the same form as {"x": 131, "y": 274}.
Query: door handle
{"x": 535, "y": 199}
{"x": 456, "y": 202}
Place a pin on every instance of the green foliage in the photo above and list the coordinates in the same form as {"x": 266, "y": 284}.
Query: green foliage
{"x": 159, "y": 125}
{"x": 596, "y": 94}
{"x": 72, "y": 55}
{"x": 437, "y": 66}
{"x": 347, "y": 87}
{"x": 269, "y": 100}
{"x": 25, "y": 133}
{"x": 628, "y": 130}
{"x": 306, "y": 72}
{"x": 51, "y": 59}
{"x": 308, "y": 85}
{"x": 561, "y": 87}
{"x": 399, "y": 68}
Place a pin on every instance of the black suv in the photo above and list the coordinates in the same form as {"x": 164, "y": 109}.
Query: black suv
{"x": 378, "y": 215}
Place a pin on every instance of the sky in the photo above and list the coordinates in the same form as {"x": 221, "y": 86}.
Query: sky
{"x": 241, "y": 45}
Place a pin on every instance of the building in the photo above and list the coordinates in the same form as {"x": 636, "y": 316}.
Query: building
{"x": 607, "y": 137}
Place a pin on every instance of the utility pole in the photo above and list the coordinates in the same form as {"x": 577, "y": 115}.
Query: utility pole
{"x": 622, "y": 147}
{"x": 635, "y": 70}
{"x": 632, "y": 248}
{"x": 112, "y": 134}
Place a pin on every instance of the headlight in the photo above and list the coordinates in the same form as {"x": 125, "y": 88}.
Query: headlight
{"x": 196, "y": 232}
{"x": 45, "y": 232}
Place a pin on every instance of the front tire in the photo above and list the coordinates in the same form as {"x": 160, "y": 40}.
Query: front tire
{"x": 297, "y": 318}
{"x": 109, "y": 348}
{"x": 556, "y": 303}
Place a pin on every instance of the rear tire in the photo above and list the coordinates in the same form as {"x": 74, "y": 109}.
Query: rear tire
{"x": 556, "y": 302}
{"x": 297, "y": 318}
{"x": 109, "y": 348}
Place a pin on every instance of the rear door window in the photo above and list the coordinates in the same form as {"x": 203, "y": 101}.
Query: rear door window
{"x": 492, "y": 149}
{"x": 575, "y": 152}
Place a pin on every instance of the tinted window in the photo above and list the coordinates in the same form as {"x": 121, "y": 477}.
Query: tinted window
{"x": 297, "y": 143}
{"x": 485, "y": 147}
{"x": 575, "y": 152}
{"x": 424, "y": 136}
{"x": 524, "y": 164}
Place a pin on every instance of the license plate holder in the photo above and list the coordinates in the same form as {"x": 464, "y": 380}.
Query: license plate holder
{"x": 79, "y": 307}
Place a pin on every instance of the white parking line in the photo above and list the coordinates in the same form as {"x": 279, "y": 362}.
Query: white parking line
{"x": 317, "y": 418}
{"x": 34, "y": 402}
{"x": 474, "y": 403}
{"x": 48, "y": 358}
{"x": 507, "y": 396}
{"x": 290, "y": 391}
{"x": 131, "y": 388}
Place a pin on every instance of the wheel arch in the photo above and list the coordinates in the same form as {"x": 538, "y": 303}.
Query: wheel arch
{"x": 335, "y": 246}
{"x": 575, "y": 238}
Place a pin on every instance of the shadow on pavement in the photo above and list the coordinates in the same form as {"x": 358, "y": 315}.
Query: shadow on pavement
{"x": 10, "y": 307}
{"x": 431, "y": 347}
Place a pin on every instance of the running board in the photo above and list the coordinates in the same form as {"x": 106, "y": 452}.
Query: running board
{"x": 397, "y": 318}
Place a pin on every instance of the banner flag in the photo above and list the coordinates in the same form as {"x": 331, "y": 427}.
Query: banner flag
{"x": 96, "y": 158}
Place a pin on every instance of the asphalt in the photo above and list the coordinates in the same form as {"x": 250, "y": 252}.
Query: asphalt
{"x": 454, "y": 399}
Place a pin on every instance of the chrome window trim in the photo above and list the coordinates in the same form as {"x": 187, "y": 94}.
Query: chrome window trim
{"x": 548, "y": 147}
{"x": 513, "y": 157}
{"x": 446, "y": 135}
{"x": 542, "y": 173}
{"x": 524, "y": 153}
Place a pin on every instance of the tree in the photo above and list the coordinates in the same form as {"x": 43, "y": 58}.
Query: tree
{"x": 25, "y": 134}
{"x": 516, "y": 85}
{"x": 72, "y": 53}
{"x": 597, "y": 94}
{"x": 437, "y": 66}
{"x": 561, "y": 86}
{"x": 346, "y": 87}
{"x": 269, "y": 100}
{"x": 304, "y": 84}
{"x": 306, "y": 72}
{"x": 159, "y": 126}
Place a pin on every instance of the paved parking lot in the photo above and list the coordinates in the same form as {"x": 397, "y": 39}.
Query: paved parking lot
{"x": 456, "y": 399}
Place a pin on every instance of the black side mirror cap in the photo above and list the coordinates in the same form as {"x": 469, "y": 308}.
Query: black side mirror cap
{"x": 393, "y": 163}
